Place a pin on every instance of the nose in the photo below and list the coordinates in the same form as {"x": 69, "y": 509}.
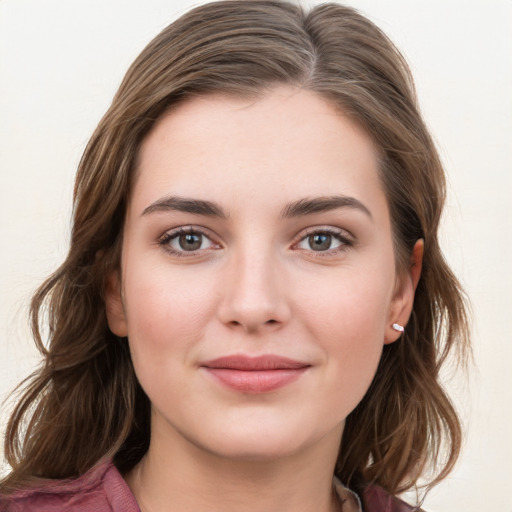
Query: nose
{"x": 254, "y": 296}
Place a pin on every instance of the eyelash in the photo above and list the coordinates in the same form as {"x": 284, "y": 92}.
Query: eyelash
{"x": 346, "y": 241}
{"x": 166, "y": 238}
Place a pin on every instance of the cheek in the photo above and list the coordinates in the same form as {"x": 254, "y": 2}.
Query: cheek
{"x": 166, "y": 312}
{"x": 352, "y": 305}
{"x": 167, "y": 316}
{"x": 348, "y": 319}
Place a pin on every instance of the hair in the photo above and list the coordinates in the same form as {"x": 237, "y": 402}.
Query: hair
{"x": 84, "y": 403}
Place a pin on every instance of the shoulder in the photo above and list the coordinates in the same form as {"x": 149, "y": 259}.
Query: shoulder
{"x": 376, "y": 499}
{"x": 101, "y": 489}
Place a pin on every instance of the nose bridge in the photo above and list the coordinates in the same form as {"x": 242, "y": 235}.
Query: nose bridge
{"x": 254, "y": 295}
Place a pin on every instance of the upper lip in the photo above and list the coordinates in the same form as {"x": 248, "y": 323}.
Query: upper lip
{"x": 258, "y": 363}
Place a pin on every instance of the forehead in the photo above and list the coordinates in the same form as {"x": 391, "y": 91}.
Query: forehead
{"x": 289, "y": 142}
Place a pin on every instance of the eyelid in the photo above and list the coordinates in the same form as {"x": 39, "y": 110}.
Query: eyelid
{"x": 345, "y": 237}
{"x": 171, "y": 234}
{"x": 348, "y": 240}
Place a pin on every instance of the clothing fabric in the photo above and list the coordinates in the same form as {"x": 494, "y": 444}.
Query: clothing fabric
{"x": 103, "y": 489}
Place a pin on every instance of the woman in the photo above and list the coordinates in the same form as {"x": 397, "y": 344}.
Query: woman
{"x": 255, "y": 224}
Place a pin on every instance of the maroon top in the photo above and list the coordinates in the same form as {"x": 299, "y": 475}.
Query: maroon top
{"x": 103, "y": 489}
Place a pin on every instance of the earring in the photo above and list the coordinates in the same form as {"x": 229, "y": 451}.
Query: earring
{"x": 398, "y": 327}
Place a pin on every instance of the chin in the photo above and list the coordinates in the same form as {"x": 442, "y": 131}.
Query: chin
{"x": 264, "y": 441}
{"x": 255, "y": 449}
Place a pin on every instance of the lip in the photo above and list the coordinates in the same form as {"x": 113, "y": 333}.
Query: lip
{"x": 260, "y": 374}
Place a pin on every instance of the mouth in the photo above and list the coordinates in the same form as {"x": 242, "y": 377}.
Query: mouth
{"x": 255, "y": 375}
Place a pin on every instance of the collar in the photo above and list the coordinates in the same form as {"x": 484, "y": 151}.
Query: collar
{"x": 349, "y": 500}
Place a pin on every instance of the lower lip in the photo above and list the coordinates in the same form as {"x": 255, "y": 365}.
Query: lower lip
{"x": 256, "y": 381}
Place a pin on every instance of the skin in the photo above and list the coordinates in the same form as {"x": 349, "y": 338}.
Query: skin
{"x": 256, "y": 285}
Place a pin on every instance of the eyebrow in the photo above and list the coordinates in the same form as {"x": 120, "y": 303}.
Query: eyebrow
{"x": 308, "y": 206}
{"x": 187, "y": 205}
{"x": 305, "y": 206}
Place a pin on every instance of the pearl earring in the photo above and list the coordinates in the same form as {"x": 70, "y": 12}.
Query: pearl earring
{"x": 398, "y": 327}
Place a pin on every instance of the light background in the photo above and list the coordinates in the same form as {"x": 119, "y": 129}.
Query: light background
{"x": 60, "y": 64}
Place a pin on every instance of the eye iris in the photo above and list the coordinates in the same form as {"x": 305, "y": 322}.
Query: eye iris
{"x": 190, "y": 241}
{"x": 320, "y": 242}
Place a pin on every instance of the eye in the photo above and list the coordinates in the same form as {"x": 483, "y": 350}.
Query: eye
{"x": 324, "y": 240}
{"x": 189, "y": 242}
{"x": 182, "y": 241}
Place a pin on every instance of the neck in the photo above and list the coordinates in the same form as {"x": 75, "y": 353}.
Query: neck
{"x": 184, "y": 477}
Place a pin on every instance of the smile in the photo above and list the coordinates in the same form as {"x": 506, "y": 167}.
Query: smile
{"x": 255, "y": 374}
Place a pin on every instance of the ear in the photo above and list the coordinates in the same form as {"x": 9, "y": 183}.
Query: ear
{"x": 403, "y": 297}
{"x": 114, "y": 304}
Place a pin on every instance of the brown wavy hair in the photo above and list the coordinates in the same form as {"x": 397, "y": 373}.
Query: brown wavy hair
{"x": 85, "y": 403}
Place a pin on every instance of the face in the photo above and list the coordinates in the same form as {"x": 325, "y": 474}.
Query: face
{"x": 258, "y": 281}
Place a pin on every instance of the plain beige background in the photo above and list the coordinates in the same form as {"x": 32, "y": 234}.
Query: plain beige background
{"x": 60, "y": 63}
